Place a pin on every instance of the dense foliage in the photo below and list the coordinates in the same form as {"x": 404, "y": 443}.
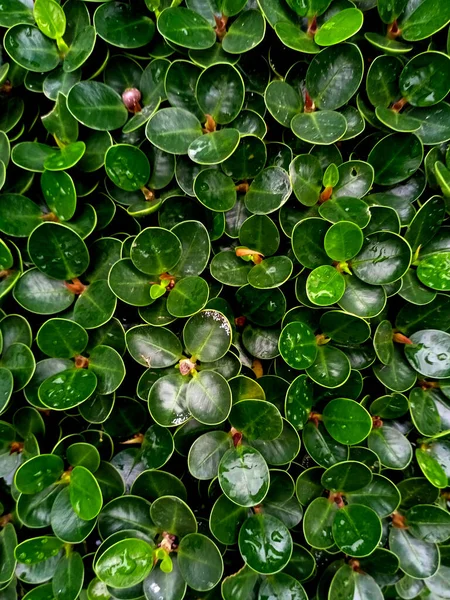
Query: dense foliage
{"x": 225, "y": 298}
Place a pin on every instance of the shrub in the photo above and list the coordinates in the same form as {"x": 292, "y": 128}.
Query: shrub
{"x": 224, "y": 281}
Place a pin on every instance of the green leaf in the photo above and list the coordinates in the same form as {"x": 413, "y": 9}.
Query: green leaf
{"x": 200, "y": 562}
{"x": 65, "y": 522}
{"x": 167, "y": 400}
{"x": 392, "y": 447}
{"x": 173, "y": 515}
{"x": 381, "y": 495}
{"x": 85, "y": 495}
{"x": 185, "y": 27}
{"x": 206, "y": 452}
{"x": 344, "y": 328}
{"x": 38, "y": 473}
{"x": 35, "y": 550}
{"x": 67, "y": 389}
{"x": 113, "y": 566}
{"x": 297, "y": 345}
{"x": 215, "y": 190}
{"x": 188, "y": 296}
{"x": 299, "y": 401}
{"x": 396, "y": 255}
{"x": 61, "y": 338}
{"x": 317, "y": 523}
{"x": 357, "y": 530}
{"x": 423, "y": 80}
{"x": 268, "y": 191}
{"x": 252, "y": 419}
{"x": 343, "y": 240}
{"x": 347, "y": 421}
{"x": 331, "y": 368}
{"x": 390, "y": 407}
{"x": 396, "y": 157}
{"x": 265, "y": 544}
{"x": 323, "y": 127}
{"x": 339, "y": 27}
{"x": 19, "y": 215}
{"x": 68, "y": 578}
{"x": 226, "y": 519}
{"x": 50, "y": 18}
{"x": 306, "y": 175}
{"x": 325, "y": 286}
{"x": 282, "y": 101}
{"x": 415, "y": 26}
{"x": 208, "y": 398}
{"x": 120, "y": 25}
{"x": 173, "y": 130}
{"x": 417, "y": 559}
{"x": 96, "y": 106}
{"x": 17, "y": 11}
{"x": 233, "y": 479}
{"x": 127, "y": 167}
{"x": 215, "y": 147}
{"x": 348, "y": 584}
{"x": 433, "y": 271}
{"x": 346, "y": 477}
{"x": 30, "y": 48}
{"x": 428, "y": 353}
{"x": 59, "y": 193}
{"x": 322, "y": 448}
{"x": 57, "y": 251}
{"x": 326, "y": 79}
{"x": 207, "y": 335}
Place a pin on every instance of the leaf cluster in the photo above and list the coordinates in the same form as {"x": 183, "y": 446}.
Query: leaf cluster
{"x": 224, "y": 299}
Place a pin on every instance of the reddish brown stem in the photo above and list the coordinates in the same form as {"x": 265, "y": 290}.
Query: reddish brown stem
{"x": 240, "y": 321}
{"x": 138, "y": 438}
{"x": 312, "y": 27}
{"x": 76, "y": 286}
{"x": 376, "y": 422}
{"x": 337, "y": 498}
{"x": 5, "y": 519}
{"x": 326, "y": 194}
{"x": 355, "y": 565}
{"x": 236, "y": 436}
{"x": 397, "y": 106}
{"x": 16, "y": 448}
{"x": 242, "y": 188}
{"x": 149, "y": 195}
{"x": 398, "y": 521}
{"x": 81, "y": 362}
{"x": 210, "y": 124}
{"x": 221, "y": 26}
{"x": 4, "y": 273}
{"x": 50, "y": 217}
{"x": 168, "y": 542}
{"x": 401, "y": 339}
{"x": 6, "y": 88}
{"x": 393, "y": 31}
{"x": 322, "y": 339}
{"x": 428, "y": 385}
{"x": 257, "y": 257}
{"x": 257, "y": 368}
{"x": 315, "y": 418}
{"x": 309, "y": 103}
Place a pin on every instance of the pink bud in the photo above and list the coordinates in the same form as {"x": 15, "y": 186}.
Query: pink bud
{"x": 131, "y": 98}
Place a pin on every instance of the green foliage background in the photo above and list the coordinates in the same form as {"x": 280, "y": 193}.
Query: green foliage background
{"x": 224, "y": 291}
